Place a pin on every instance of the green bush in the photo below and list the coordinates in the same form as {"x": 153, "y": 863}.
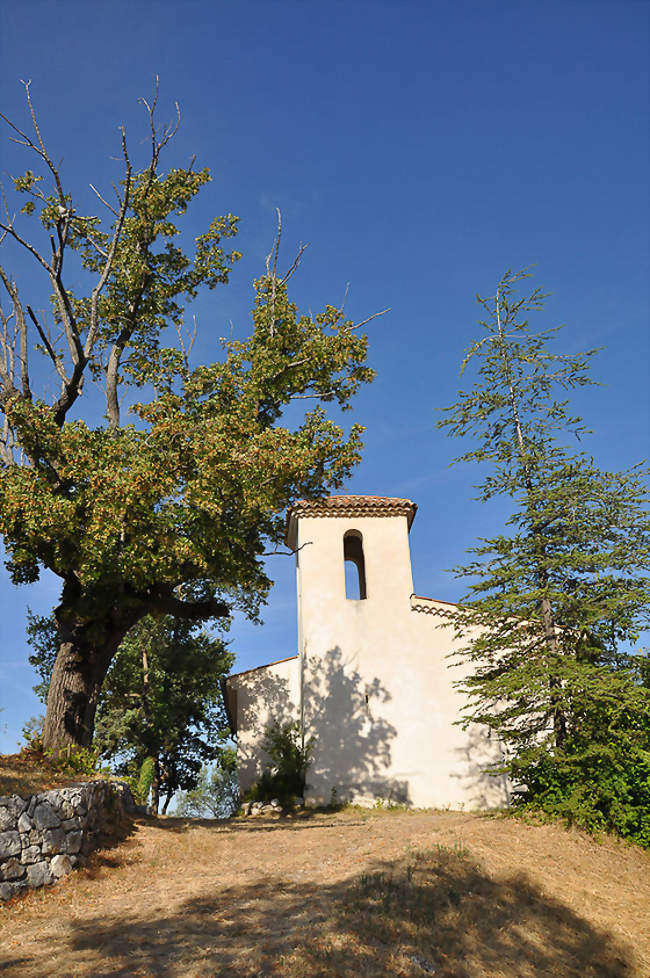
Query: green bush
{"x": 71, "y": 761}
{"x": 142, "y": 782}
{"x": 600, "y": 779}
{"x": 291, "y": 754}
{"x": 33, "y": 734}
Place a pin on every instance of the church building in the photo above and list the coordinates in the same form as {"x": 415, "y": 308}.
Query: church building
{"x": 372, "y": 681}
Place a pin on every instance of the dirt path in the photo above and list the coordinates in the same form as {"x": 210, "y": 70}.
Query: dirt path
{"x": 351, "y": 894}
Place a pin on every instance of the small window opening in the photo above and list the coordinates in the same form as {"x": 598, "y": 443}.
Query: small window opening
{"x": 355, "y": 568}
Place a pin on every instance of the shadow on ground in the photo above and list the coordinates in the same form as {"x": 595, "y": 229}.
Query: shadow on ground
{"x": 306, "y": 819}
{"x": 435, "y": 912}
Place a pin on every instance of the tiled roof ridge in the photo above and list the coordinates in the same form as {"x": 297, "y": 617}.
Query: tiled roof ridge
{"x": 267, "y": 665}
{"x": 431, "y": 606}
{"x": 355, "y": 505}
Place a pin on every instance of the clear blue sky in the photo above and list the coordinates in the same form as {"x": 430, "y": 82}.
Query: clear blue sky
{"x": 422, "y": 149}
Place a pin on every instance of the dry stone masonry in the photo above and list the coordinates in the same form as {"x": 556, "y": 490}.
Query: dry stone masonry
{"x": 44, "y": 837}
{"x": 273, "y": 807}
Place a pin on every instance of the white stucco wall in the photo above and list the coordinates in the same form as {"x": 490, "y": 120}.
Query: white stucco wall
{"x": 262, "y": 696}
{"x": 378, "y": 689}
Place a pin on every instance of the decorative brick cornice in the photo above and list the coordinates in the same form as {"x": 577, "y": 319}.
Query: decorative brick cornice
{"x": 350, "y": 507}
{"x": 433, "y": 606}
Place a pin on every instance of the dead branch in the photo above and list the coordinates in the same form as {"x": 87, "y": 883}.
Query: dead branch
{"x": 8, "y": 343}
{"x": 105, "y": 202}
{"x": 272, "y": 274}
{"x": 272, "y": 269}
{"x": 275, "y": 248}
{"x": 96, "y": 246}
{"x": 20, "y": 332}
{"x": 56, "y": 360}
{"x": 302, "y": 248}
{"x": 186, "y": 349}
{"x": 30, "y": 144}
{"x": 364, "y": 322}
{"x": 94, "y": 322}
{"x": 304, "y": 397}
{"x": 158, "y": 142}
{"x": 287, "y": 553}
{"x": 9, "y": 229}
{"x": 159, "y": 139}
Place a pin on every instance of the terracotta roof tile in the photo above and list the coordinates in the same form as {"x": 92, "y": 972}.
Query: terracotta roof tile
{"x": 353, "y": 506}
{"x": 267, "y": 665}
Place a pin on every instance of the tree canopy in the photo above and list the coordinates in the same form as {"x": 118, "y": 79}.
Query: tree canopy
{"x": 162, "y": 700}
{"x": 216, "y": 794}
{"x": 193, "y": 487}
{"x": 161, "y": 704}
{"x": 554, "y": 603}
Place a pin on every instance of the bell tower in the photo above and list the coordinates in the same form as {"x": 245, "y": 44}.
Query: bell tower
{"x": 353, "y": 569}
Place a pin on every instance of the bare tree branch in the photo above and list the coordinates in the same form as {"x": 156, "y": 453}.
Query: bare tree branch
{"x": 112, "y": 369}
{"x": 287, "y": 553}
{"x": 56, "y": 360}
{"x": 364, "y": 322}
{"x": 295, "y": 263}
{"x": 43, "y": 151}
{"x": 272, "y": 268}
{"x": 21, "y": 329}
{"x": 9, "y": 229}
{"x": 98, "y": 248}
{"x": 40, "y": 148}
{"x": 186, "y": 349}
{"x": 94, "y": 321}
{"x": 105, "y": 202}
{"x": 271, "y": 273}
{"x": 290, "y": 366}
{"x": 304, "y": 397}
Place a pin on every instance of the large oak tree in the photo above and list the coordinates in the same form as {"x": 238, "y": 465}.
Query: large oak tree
{"x": 189, "y": 487}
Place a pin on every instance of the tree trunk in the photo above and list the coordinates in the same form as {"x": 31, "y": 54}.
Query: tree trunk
{"x": 72, "y": 699}
{"x": 76, "y": 682}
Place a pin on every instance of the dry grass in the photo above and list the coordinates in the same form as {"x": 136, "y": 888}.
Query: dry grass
{"x": 27, "y": 773}
{"x": 356, "y": 895}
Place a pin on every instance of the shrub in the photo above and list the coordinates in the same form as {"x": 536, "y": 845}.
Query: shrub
{"x": 291, "y": 754}
{"x": 600, "y": 779}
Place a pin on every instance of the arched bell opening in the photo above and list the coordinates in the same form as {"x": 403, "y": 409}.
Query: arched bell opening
{"x": 355, "y": 566}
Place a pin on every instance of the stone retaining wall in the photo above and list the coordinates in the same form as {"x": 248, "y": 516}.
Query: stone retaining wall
{"x": 44, "y": 837}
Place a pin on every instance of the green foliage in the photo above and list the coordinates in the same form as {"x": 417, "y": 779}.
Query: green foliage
{"x": 162, "y": 699}
{"x": 141, "y": 787}
{"x": 335, "y": 803}
{"x": 160, "y": 715}
{"x": 388, "y": 805}
{"x": 600, "y": 778}
{"x": 33, "y": 733}
{"x": 75, "y": 760}
{"x": 216, "y": 794}
{"x": 552, "y": 602}
{"x": 69, "y": 762}
{"x": 291, "y": 755}
{"x": 193, "y": 488}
